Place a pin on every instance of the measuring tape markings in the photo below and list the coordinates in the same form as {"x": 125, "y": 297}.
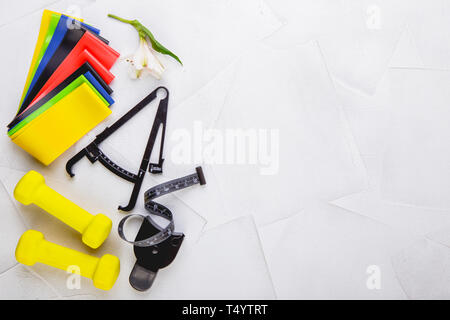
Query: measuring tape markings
{"x": 158, "y": 209}
{"x": 93, "y": 152}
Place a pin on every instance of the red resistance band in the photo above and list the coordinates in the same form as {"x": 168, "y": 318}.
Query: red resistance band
{"x": 88, "y": 49}
{"x": 62, "y": 75}
{"x": 84, "y": 57}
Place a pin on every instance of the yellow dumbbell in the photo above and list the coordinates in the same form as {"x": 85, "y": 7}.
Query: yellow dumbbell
{"x": 32, "y": 189}
{"x": 32, "y": 248}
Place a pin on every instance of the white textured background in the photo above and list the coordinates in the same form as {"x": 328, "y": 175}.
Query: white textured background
{"x": 359, "y": 91}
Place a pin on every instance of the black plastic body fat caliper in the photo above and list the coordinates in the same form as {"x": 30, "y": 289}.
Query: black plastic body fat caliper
{"x": 93, "y": 152}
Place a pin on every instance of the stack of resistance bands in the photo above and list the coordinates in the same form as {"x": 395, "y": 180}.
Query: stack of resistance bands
{"x": 66, "y": 93}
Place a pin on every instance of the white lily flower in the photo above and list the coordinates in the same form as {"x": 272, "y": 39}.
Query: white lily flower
{"x": 144, "y": 62}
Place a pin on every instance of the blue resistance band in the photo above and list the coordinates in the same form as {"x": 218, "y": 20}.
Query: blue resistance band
{"x": 99, "y": 87}
{"x": 61, "y": 29}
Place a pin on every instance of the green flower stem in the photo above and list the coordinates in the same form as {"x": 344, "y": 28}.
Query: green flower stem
{"x": 120, "y": 19}
{"x": 145, "y": 33}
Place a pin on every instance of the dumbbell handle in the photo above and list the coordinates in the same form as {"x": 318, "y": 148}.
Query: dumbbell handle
{"x": 32, "y": 189}
{"x": 62, "y": 258}
{"x": 62, "y": 208}
{"x": 32, "y": 248}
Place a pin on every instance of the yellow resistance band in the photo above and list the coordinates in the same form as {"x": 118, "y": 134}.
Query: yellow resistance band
{"x": 57, "y": 129}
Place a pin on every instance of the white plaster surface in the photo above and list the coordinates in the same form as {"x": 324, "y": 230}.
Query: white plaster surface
{"x": 358, "y": 93}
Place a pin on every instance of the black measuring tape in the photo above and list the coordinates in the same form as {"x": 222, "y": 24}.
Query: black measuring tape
{"x": 155, "y": 247}
{"x": 93, "y": 152}
{"x": 160, "y": 210}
